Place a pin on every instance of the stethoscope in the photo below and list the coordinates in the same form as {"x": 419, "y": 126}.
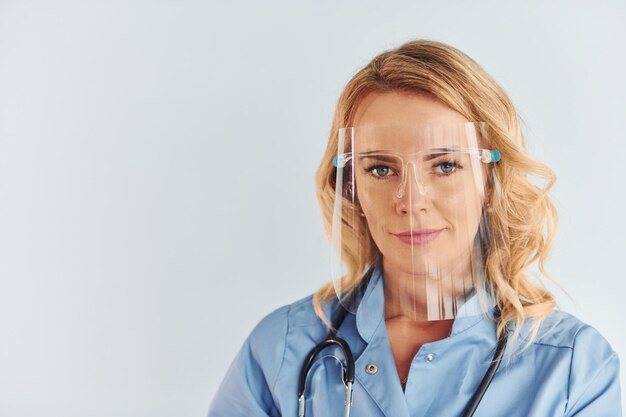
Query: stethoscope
{"x": 348, "y": 375}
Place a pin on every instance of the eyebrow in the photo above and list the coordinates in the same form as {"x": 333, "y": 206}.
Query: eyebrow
{"x": 377, "y": 156}
{"x": 436, "y": 153}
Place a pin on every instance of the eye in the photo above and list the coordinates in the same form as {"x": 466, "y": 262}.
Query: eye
{"x": 446, "y": 168}
{"x": 381, "y": 171}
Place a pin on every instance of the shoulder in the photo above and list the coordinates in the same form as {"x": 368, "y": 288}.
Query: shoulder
{"x": 298, "y": 314}
{"x": 565, "y": 331}
{"x": 576, "y": 354}
{"x": 249, "y": 386}
{"x": 269, "y": 339}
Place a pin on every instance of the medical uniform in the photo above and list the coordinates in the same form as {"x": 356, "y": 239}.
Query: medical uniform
{"x": 570, "y": 370}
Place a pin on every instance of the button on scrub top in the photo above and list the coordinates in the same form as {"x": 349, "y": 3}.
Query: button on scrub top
{"x": 569, "y": 370}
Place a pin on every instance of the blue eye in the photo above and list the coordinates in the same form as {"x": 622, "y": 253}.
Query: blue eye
{"x": 381, "y": 171}
{"x": 446, "y": 167}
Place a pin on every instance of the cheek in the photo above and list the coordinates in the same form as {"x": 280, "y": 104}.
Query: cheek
{"x": 374, "y": 209}
{"x": 462, "y": 213}
{"x": 375, "y": 217}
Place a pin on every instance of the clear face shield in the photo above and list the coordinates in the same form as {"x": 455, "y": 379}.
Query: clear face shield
{"x": 413, "y": 198}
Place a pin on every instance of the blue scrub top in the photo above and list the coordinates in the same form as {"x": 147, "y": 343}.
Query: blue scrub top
{"x": 569, "y": 370}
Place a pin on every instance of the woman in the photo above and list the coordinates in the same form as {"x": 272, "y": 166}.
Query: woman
{"x": 425, "y": 194}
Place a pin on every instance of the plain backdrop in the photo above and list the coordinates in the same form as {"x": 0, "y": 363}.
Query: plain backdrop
{"x": 157, "y": 162}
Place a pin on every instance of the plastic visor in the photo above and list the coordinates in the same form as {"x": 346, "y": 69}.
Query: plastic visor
{"x": 413, "y": 198}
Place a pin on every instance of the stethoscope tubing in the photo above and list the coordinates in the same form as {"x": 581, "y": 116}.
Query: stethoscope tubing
{"x": 473, "y": 403}
{"x": 348, "y": 378}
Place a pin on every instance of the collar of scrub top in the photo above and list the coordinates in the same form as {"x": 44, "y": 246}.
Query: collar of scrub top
{"x": 371, "y": 308}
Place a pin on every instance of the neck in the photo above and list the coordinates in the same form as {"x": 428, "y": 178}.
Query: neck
{"x": 418, "y": 297}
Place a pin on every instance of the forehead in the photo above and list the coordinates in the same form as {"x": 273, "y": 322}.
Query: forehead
{"x": 408, "y": 122}
{"x": 403, "y": 109}
{"x": 411, "y": 139}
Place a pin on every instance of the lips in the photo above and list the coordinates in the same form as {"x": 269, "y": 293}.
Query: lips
{"x": 418, "y": 237}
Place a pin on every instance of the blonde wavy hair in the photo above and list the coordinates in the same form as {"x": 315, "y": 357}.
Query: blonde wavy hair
{"x": 522, "y": 221}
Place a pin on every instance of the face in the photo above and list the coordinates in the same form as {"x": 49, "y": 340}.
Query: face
{"x": 422, "y": 207}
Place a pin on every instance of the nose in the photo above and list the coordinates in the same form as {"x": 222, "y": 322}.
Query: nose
{"x": 410, "y": 171}
{"x": 411, "y": 194}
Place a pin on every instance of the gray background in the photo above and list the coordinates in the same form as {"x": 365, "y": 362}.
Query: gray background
{"x": 157, "y": 163}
